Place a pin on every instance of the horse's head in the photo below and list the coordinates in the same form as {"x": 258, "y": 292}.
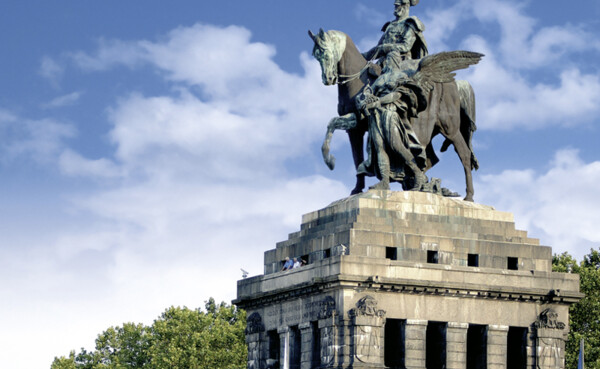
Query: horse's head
{"x": 328, "y": 50}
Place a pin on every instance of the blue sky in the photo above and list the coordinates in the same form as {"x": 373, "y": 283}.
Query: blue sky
{"x": 148, "y": 151}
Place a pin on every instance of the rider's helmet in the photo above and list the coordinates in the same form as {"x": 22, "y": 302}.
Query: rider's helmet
{"x": 402, "y": 2}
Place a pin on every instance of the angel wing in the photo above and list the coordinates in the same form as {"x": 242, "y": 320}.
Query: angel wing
{"x": 439, "y": 68}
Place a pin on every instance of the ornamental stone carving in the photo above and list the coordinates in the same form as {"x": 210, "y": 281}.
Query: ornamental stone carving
{"x": 327, "y": 308}
{"x": 254, "y": 324}
{"x": 367, "y": 306}
{"x": 548, "y": 319}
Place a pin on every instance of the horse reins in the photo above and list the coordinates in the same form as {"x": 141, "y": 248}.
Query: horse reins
{"x": 352, "y": 77}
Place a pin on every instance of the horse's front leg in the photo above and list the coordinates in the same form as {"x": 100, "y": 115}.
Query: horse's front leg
{"x": 356, "y": 137}
{"x": 345, "y": 122}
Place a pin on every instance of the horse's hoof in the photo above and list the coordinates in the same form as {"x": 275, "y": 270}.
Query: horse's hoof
{"x": 381, "y": 186}
{"x": 420, "y": 180}
{"x": 355, "y": 191}
{"x": 469, "y": 198}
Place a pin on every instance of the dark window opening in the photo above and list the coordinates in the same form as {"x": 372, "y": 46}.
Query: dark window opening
{"x": 432, "y": 257}
{"x": 316, "y": 345}
{"x": 477, "y": 346}
{"x": 473, "y": 260}
{"x": 394, "y": 343}
{"x": 513, "y": 263}
{"x": 295, "y": 347}
{"x": 274, "y": 349}
{"x": 391, "y": 253}
{"x": 436, "y": 345}
{"x": 516, "y": 349}
{"x": 327, "y": 254}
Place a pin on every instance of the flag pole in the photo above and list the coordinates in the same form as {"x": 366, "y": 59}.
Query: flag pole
{"x": 581, "y": 361}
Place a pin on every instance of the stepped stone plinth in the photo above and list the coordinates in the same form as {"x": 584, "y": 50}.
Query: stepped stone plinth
{"x": 408, "y": 280}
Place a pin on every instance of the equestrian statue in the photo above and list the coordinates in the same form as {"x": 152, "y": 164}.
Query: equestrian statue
{"x": 402, "y": 101}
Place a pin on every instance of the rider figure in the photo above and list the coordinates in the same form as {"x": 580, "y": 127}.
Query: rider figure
{"x": 402, "y": 38}
{"x": 391, "y": 105}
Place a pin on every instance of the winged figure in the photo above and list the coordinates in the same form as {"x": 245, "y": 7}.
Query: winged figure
{"x": 392, "y": 104}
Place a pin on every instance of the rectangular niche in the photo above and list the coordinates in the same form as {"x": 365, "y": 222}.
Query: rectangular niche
{"x": 433, "y": 257}
{"x": 477, "y": 346}
{"x": 391, "y": 253}
{"x": 436, "y": 345}
{"x": 473, "y": 260}
{"x": 513, "y": 263}
{"x": 394, "y": 343}
{"x": 516, "y": 348}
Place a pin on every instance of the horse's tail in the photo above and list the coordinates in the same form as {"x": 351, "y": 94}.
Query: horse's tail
{"x": 467, "y": 119}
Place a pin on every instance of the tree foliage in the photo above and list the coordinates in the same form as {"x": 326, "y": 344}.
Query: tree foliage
{"x": 584, "y": 317}
{"x": 180, "y": 338}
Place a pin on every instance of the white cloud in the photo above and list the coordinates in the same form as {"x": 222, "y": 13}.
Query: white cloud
{"x": 522, "y": 46}
{"x": 62, "y": 101}
{"x": 559, "y": 206}
{"x": 73, "y": 164}
{"x": 51, "y": 70}
{"x": 506, "y": 82}
{"x": 506, "y": 100}
{"x": 195, "y": 188}
{"x": 441, "y": 23}
{"x": 41, "y": 140}
{"x": 371, "y": 16}
{"x": 110, "y": 53}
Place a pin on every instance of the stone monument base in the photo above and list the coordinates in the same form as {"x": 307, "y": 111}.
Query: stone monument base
{"x": 408, "y": 280}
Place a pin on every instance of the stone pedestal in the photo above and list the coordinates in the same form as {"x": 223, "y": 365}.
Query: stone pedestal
{"x": 412, "y": 259}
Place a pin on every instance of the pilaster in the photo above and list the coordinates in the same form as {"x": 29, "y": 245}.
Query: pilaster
{"x": 284, "y": 347}
{"x": 415, "y": 345}
{"x": 497, "y": 346}
{"x": 456, "y": 345}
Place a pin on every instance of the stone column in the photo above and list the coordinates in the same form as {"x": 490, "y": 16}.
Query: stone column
{"x": 415, "y": 343}
{"x": 307, "y": 345}
{"x": 497, "y": 346}
{"x": 531, "y": 344}
{"x": 456, "y": 345}
{"x": 284, "y": 347}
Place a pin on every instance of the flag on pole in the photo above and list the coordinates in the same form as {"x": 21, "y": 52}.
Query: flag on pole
{"x": 580, "y": 362}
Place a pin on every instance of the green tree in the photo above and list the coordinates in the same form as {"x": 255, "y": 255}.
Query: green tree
{"x": 64, "y": 362}
{"x": 584, "y": 317}
{"x": 185, "y": 338}
{"x": 180, "y": 338}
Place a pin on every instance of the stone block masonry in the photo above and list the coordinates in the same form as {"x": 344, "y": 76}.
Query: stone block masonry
{"x": 403, "y": 279}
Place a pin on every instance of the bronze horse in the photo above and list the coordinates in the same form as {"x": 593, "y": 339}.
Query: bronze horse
{"x": 450, "y": 110}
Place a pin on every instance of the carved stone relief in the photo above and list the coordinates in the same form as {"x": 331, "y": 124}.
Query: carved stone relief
{"x": 549, "y": 319}
{"x": 254, "y": 324}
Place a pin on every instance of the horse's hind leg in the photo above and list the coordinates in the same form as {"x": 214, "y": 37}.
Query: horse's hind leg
{"x": 464, "y": 153}
{"x": 357, "y": 144}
